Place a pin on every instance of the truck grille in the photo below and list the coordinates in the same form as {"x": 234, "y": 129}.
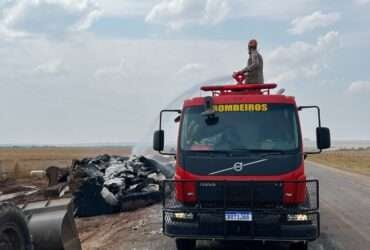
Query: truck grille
{"x": 239, "y": 194}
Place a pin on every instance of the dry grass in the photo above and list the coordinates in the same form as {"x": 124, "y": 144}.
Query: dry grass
{"x": 18, "y": 162}
{"x": 357, "y": 161}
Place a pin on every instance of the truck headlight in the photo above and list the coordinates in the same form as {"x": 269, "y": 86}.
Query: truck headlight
{"x": 183, "y": 216}
{"x": 297, "y": 217}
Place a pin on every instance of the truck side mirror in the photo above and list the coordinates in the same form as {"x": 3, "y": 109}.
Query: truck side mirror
{"x": 323, "y": 138}
{"x": 158, "y": 140}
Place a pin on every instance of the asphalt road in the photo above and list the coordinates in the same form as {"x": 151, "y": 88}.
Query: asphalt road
{"x": 345, "y": 220}
{"x": 345, "y": 207}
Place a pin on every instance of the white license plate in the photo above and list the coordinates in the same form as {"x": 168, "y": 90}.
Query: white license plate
{"x": 238, "y": 216}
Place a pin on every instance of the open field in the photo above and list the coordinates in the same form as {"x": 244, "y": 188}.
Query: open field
{"x": 357, "y": 161}
{"x": 18, "y": 162}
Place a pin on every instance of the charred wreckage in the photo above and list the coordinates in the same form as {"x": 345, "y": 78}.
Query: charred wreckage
{"x": 89, "y": 187}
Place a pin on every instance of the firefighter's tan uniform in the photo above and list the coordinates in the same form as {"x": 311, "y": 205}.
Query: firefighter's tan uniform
{"x": 254, "y": 68}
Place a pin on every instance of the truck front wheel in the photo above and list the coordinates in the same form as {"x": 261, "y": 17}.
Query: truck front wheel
{"x": 185, "y": 244}
{"x": 14, "y": 234}
{"x": 299, "y": 246}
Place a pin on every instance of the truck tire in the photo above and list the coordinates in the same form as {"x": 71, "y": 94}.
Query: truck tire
{"x": 185, "y": 244}
{"x": 14, "y": 233}
{"x": 299, "y": 246}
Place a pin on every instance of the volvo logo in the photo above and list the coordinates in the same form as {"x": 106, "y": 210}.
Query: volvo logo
{"x": 238, "y": 166}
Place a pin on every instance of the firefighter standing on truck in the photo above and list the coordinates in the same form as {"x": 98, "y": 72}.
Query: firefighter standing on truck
{"x": 253, "y": 72}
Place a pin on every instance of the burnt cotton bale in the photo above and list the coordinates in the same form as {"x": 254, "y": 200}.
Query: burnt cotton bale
{"x": 108, "y": 184}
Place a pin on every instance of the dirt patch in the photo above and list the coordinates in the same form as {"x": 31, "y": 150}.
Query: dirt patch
{"x": 12, "y": 186}
{"x": 357, "y": 161}
{"x": 126, "y": 231}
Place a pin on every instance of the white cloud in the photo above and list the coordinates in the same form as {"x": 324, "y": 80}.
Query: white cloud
{"x": 328, "y": 41}
{"x": 235, "y": 8}
{"x": 98, "y": 96}
{"x": 191, "y": 68}
{"x": 272, "y": 9}
{"x": 113, "y": 89}
{"x": 313, "y": 21}
{"x": 178, "y": 13}
{"x": 7, "y": 33}
{"x": 105, "y": 98}
{"x": 89, "y": 20}
{"x": 361, "y": 2}
{"x": 359, "y": 87}
{"x": 29, "y": 17}
{"x": 51, "y": 68}
{"x": 301, "y": 59}
{"x": 127, "y": 7}
{"x": 115, "y": 72}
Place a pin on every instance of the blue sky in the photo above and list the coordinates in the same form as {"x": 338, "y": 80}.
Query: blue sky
{"x": 86, "y": 71}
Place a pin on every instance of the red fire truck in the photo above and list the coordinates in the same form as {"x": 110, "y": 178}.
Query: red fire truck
{"x": 239, "y": 171}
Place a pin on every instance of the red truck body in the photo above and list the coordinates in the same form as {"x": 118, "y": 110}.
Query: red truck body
{"x": 236, "y": 95}
{"x": 239, "y": 172}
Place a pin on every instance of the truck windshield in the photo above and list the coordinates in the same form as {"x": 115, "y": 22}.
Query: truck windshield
{"x": 265, "y": 128}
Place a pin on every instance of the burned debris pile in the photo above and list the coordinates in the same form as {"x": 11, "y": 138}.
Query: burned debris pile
{"x": 108, "y": 184}
{"x": 102, "y": 185}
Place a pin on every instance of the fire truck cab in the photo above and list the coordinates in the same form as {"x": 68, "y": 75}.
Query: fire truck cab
{"x": 239, "y": 171}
